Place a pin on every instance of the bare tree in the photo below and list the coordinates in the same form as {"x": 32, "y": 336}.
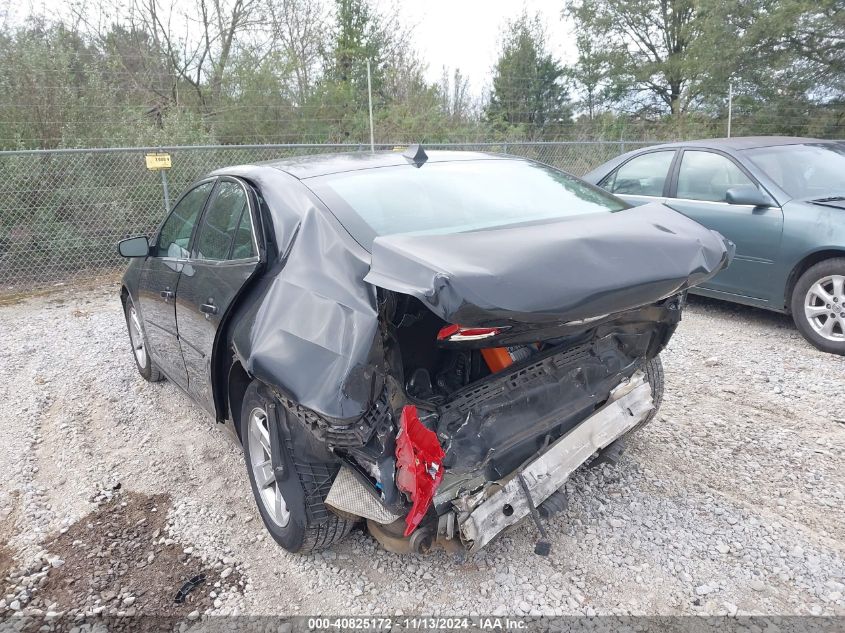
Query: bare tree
{"x": 300, "y": 27}
{"x": 200, "y": 41}
{"x": 454, "y": 94}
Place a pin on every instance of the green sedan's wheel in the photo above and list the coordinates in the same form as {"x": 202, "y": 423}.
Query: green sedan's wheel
{"x": 818, "y": 305}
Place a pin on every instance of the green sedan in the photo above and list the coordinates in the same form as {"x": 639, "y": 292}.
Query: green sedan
{"x": 781, "y": 200}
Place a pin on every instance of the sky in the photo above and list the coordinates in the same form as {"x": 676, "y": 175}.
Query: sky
{"x": 466, "y": 33}
{"x": 461, "y": 34}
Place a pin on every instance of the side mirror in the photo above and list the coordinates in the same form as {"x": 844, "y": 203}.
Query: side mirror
{"x": 134, "y": 246}
{"x": 747, "y": 194}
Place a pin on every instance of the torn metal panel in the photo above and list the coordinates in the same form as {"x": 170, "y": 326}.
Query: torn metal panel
{"x": 507, "y": 505}
{"x": 311, "y": 326}
{"x": 561, "y": 271}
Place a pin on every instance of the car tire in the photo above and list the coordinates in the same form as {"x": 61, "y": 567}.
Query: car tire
{"x": 138, "y": 342}
{"x": 818, "y": 305}
{"x": 291, "y": 505}
{"x": 654, "y": 374}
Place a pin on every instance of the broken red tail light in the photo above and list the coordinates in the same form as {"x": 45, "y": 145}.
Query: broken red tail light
{"x": 419, "y": 465}
{"x": 497, "y": 358}
{"x": 457, "y": 333}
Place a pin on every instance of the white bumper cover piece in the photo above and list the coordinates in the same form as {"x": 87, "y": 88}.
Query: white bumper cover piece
{"x": 630, "y": 404}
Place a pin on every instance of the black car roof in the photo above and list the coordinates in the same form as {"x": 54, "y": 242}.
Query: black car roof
{"x": 742, "y": 142}
{"x": 323, "y": 164}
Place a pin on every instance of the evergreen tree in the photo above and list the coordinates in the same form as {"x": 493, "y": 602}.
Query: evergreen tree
{"x": 529, "y": 96}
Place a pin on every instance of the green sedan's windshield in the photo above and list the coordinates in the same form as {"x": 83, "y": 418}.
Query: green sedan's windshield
{"x": 450, "y": 197}
{"x": 805, "y": 170}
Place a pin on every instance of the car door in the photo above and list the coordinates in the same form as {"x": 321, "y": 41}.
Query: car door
{"x": 641, "y": 179}
{"x": 224, "y": 256}
{"x": 699, "y": 190}
{"x": 159, "y": 280}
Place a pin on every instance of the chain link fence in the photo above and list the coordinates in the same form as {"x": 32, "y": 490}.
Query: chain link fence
{"x": 63, "y": 211}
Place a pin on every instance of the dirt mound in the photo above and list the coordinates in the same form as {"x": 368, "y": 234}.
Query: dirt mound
{"x": 117, "y": 561}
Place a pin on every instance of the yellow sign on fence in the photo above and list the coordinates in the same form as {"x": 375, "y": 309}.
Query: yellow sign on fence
{"x": 157, "y": 161}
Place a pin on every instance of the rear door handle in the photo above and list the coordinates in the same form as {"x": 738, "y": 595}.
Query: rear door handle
{"x": 167, "y": 295}
{"x": 208, "y": 308}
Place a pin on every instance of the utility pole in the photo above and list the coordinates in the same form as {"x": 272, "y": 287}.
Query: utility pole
{"x": 370, "y": 99}
{"x": 730, "y": 105}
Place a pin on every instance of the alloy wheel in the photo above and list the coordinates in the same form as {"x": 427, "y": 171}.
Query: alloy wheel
{"x": 824, "y": 307}
{"x": 261, "y": 463}
{"x": 136, "y": 337}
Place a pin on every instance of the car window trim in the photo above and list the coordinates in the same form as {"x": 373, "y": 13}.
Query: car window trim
{"x": 674, "y": 191}
{"x": 750, "y": 206}
{"x": 654, "y": 150}
{"x": 250, "y": 206}
{"x": 157, "y": 234}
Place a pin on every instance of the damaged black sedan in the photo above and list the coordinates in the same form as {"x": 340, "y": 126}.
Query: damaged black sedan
{"x": 430, "y": 342}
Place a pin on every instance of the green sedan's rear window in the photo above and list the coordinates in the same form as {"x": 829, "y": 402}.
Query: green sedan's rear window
{"x": 805, "y": 170}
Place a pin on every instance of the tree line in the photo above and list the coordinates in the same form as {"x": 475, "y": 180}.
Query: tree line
{"x": 141, "y": 72}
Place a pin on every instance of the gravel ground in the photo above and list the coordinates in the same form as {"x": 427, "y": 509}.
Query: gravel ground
{"x": 731, "y": 501}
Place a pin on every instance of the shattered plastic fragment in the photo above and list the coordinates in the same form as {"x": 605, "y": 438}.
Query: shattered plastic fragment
{"x": 188, "y": 587}
{"x": 419, "y": 458}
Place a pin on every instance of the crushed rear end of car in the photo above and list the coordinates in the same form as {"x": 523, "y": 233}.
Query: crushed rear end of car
{"x": 486, "y": 381}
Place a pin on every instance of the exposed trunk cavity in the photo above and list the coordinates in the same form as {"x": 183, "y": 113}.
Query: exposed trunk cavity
{"x": 495, "y": 396}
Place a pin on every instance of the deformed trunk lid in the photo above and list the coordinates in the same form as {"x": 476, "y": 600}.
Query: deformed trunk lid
{"x": 551, "y": 272}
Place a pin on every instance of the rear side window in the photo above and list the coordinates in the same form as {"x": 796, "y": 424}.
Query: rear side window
{"x": 644, "y": 175}
{"x": 708, "y": 176}
{"x": 176, "y": 232}
{"x": 226, "y": 222}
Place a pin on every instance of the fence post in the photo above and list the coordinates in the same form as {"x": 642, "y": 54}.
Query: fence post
{"x": 370, "y": 102}
{"x": 164, "y": 189}
{"x": 730, "y": 105}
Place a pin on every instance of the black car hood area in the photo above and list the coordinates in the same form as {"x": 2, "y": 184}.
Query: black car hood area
{"x": 580, "y": 268}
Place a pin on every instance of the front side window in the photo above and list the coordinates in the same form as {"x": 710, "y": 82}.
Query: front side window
{"x": 225, "y": 222}
{"x": 176, "y": 231}
{"x": 708, "y": 176}
{"x": 644, "y": 175}
{"x": 455, "y": 196}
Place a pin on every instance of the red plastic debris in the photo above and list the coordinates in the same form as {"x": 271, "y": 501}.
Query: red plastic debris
{"x": 419, "y": 465}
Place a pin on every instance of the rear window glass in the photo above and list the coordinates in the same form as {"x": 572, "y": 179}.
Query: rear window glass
{"x": 805, "y": 170}
{"x": 452, "y": 197}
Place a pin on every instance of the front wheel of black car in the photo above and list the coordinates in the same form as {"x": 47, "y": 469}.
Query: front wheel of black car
{"x": 288, "y": 483}
{"x": 818, "y": 305}
{"x": 146, "y": 366}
